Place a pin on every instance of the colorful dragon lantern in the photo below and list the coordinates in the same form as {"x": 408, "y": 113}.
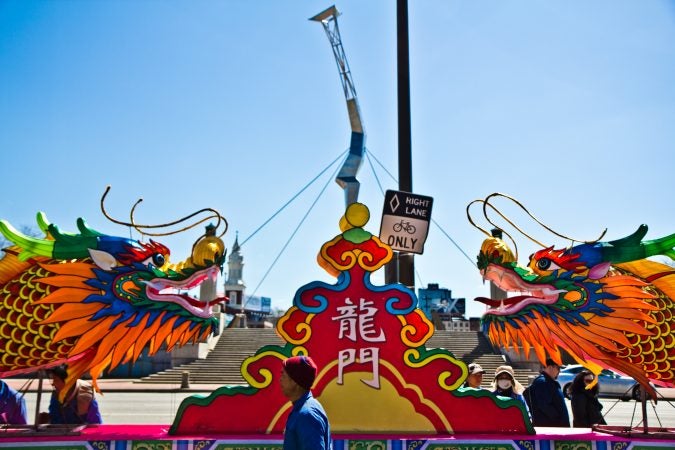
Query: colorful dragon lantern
{"x": 95, "y": 301}
{"x": 604, "y": 303}
{"x": 375, "y": 373}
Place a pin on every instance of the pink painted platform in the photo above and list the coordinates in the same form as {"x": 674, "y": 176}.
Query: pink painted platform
{"x": 111, "y": 437}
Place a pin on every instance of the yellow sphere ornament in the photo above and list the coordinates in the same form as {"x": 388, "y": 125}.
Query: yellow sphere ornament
{"x": 357, "y": 215}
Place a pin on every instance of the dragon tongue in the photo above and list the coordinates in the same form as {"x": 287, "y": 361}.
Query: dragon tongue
{"x": 488, "y": 301}
{"x": 497, "y": 303}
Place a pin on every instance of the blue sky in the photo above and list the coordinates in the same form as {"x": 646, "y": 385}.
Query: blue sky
{"x": 568, "y": 106}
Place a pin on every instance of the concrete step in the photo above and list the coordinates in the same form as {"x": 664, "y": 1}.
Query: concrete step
{"x": 223, "y": 364}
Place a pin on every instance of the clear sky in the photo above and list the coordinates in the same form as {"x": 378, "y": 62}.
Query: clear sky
{"x": 568, "y": 106}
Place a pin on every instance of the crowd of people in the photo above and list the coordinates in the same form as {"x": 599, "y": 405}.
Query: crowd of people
{"x": 544, "y": 400}
{"x": 307, "y": 425}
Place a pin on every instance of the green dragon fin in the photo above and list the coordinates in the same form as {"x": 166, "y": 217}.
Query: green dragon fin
{"x": 633, "y": 239}
{"x": 632, "y": 248}
{"x": 30, "y": 246}
{"x": 57, "y": 244}
{"x": 43, "y": 222}
{"x": 73, "y": 245}
{"x": 85, "y": 230}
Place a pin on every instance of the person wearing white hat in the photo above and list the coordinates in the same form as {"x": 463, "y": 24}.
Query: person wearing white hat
{"x": 506, "y": 385}
{"x": 475, "y": 377}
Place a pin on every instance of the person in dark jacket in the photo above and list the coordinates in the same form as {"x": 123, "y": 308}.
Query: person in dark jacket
{"x": 586, "y": 408}
{"x": 546, "y": 398}
{"x": 12, "y": 406}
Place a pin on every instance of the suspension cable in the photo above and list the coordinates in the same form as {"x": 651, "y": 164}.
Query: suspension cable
{"x": 372, "y": 168}
{"x": 383, "y": 168}
{"x": 293, "y": 198}
{"x": 473, "y": 263}
{"x": 294, "y": 232}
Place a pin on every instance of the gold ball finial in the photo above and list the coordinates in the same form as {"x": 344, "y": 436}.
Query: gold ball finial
{"x": 208, "y": 248}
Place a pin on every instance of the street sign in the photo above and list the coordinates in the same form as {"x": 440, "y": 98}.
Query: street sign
{"x": 405, "y": 221}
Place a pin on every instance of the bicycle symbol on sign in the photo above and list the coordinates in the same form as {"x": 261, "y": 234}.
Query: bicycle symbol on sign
{"x": 404, "y": 226}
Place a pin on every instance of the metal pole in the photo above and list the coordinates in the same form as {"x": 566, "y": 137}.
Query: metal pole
{"x": 406, "y": 265}
{"x": 41, "y": 375}
{"x": 643, "y": 400}
{"x": 391, "y": 270}
{"x": 495, "y": 292}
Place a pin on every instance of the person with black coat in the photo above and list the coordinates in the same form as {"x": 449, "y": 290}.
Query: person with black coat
{"x": 586, "y": 408}
{"x": 545, "y": 397}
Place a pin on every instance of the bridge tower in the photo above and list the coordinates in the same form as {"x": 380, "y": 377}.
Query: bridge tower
{"x": 346, "y": 177}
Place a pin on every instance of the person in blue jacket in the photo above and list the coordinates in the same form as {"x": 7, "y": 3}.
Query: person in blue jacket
{"x": 547, "y": 403}
{"x": 12, "y": 406}
{"x": 307, "y": 426}
{"x": 79, "y": 405}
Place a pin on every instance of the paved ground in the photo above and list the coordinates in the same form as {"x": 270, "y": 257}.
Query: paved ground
{"x": 158, "y": 403}
{"x": 140, "y": 407}
{"x": 131, "y": 385}
{"x": 114, "y": 385}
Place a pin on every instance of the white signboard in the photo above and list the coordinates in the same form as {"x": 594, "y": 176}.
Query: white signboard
{"x": 260, "y": 304}
{"x": 405, "y": 221}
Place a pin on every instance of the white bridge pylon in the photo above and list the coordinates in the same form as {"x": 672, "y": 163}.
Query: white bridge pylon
{"x": 346, "y": 177}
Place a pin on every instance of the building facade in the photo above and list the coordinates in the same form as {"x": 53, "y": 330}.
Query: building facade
{"x": 251, "y": 311}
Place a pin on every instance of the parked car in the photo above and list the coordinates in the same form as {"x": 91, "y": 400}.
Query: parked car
{"x": 611, "y": 384}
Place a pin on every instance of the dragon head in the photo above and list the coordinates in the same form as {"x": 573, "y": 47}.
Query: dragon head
{"x": 98, "y": 300}
{"x": 556, "y": 283}
{"x": 138, "y": 278}
{"x": 603, "y": 302}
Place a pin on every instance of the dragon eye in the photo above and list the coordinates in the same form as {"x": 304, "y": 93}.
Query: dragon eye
{"x": 547, "y": 264}
{"x": 158, "y": 259}
{"x": 543, "y": 264}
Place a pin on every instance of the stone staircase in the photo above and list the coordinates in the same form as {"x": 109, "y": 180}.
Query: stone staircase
{"x": 222, "y": 364}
